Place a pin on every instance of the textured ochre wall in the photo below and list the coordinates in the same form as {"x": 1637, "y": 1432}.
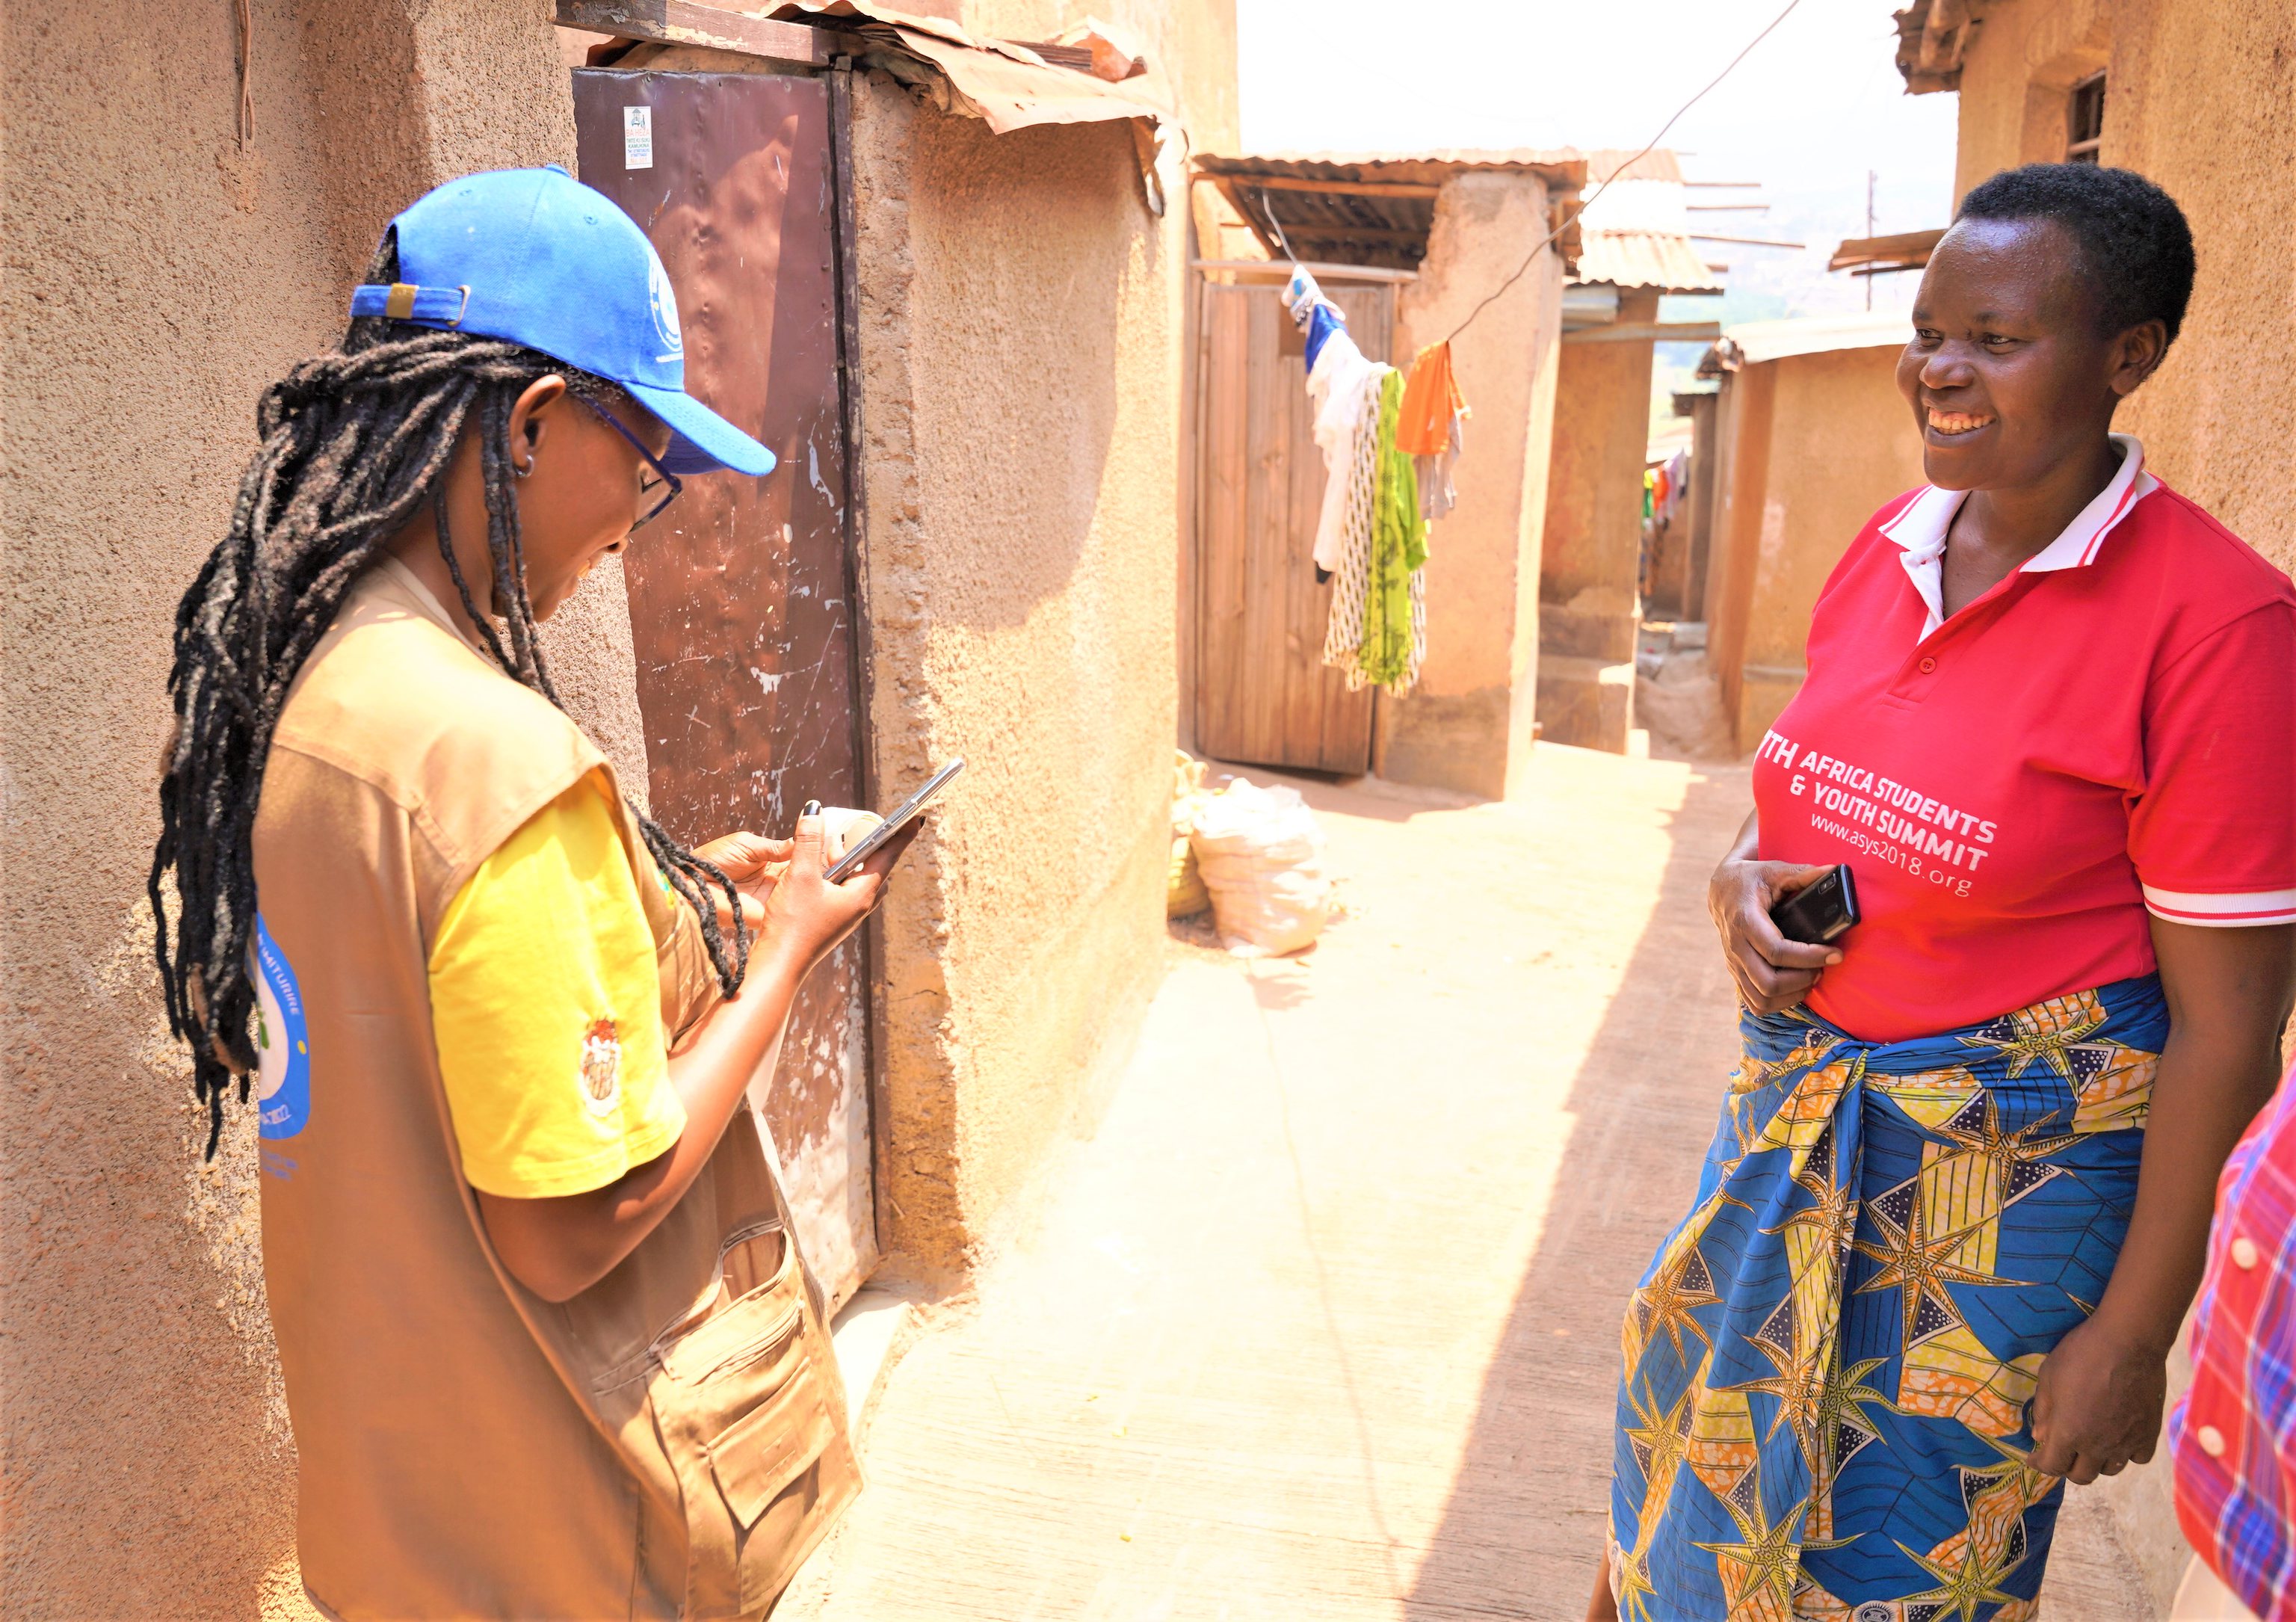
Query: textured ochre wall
{"x": 1589, "y": 596}
{"x": 2021, "y": 61}
{"x": 158, "y": 278}
{"x": 1467, "y": 726}
{"x": 1595, "y": 489}
{"x": 1843, "y": 441}
{"x": 2218, "y": 420}
{"x": 1019, "y": 345}
{"x": 2202, "y": 100}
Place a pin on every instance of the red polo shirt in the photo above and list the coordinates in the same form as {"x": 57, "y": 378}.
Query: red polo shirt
{"x": 2113, "y": 728}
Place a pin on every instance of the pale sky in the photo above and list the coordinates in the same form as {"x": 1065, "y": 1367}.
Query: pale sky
{"x": 1815, "y": 106}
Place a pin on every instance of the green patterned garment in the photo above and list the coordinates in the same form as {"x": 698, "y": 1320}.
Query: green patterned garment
{"x": 1398, "y": 546}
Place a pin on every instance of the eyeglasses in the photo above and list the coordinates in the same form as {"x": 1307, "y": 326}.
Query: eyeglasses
{"x": 646, "y": 487}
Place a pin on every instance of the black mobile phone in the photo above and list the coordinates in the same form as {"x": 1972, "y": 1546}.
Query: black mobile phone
{"x": 871, "y": 842}
{"x": 1817, "y": 913}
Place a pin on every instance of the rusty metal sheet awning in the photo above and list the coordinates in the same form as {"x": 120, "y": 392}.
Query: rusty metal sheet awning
{"x": 1006, "y": 85}
{"x": 1092, "y": 76}
{"x": 1932, "y": 39}
{"x": 1371, "y": 209}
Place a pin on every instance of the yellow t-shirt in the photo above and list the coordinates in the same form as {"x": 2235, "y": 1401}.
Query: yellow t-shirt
{"x": 547, "y": 1010}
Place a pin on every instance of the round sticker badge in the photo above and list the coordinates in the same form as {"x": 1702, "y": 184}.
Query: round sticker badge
{"x": 283, "y": 1048}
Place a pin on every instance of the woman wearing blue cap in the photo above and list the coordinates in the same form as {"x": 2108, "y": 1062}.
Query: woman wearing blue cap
{"x": 549, "y": 1347}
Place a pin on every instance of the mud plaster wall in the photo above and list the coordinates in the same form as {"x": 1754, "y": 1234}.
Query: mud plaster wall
{"x": 2217, "y": 418}
{"x": 1467, "y": 724}
{"x": 1020, "y": 358}
{"x": 1193, "y": 42}
{"x": 157, "y": 279}
{"x": 1842, "y": 442}
{"x": 1593, "y": 547}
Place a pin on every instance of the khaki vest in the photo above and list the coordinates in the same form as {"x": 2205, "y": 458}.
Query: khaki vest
{"x": 672, "y": 1442}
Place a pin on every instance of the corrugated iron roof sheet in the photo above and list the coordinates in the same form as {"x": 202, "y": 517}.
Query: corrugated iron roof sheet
{"x": 1564, "y": 164}
{"x": 1604, "y": 162}
{"x": 1669, "y": 262}
{"x": 1751, "y": 342}
{"x": 1637, "y": 226}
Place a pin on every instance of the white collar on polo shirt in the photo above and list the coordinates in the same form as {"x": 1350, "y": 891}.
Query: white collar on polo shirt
{"x": 1920, "y": 528}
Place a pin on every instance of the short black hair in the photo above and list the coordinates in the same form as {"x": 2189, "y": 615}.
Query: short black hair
{"x": 2136, "y": 247}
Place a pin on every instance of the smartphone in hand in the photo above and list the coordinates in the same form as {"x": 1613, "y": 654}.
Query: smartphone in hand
{"x": 869, "y": 843}
{"x": 1820, "y": 911}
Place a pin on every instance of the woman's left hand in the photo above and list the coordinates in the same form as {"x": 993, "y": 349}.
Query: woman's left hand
{"x": 753, "y": 861}
{"x": 2097, "y": 1407}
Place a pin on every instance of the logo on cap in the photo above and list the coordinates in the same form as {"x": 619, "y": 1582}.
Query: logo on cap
{"x": 663, "y": 297}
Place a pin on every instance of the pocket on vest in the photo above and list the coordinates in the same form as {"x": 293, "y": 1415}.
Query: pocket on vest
{"x": 744, "y": 1418}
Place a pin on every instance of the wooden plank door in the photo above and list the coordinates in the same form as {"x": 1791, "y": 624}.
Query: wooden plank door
{"x": 741, "y": 595}
{"x": 1263, "y": 694}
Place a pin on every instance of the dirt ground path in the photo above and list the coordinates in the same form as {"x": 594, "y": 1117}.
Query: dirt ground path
{"x": 1320, "y": 1321}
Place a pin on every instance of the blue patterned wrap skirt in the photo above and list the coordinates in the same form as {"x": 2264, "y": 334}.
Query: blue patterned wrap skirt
{"x": 1828, "y": 1364}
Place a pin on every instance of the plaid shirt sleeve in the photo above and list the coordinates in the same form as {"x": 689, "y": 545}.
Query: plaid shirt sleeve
{"x": 2233, "y": 1437}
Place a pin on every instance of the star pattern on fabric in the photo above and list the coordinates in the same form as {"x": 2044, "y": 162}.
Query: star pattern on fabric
{"x": 2017, "y": 1160}
{"x": 1843, "y": 1432}
{"x": 2118, "y": 1096}
{"x": 1840, "y": 1167}
{"x": 1753, "y": 1073}
{"x": 1831, "y": 1218}
{"x": 2053, "y": 1033}
{"x": 1971, "y": 1566}
{"x": 1681, "y": 1285}
{"x": 1799, "y": 1382}
{"x": 1918, "y": 1262}
{"x": 1660, "y": 1442}
{"x": 1760, "y": 1572}
{"x": 1660, "y": 1439}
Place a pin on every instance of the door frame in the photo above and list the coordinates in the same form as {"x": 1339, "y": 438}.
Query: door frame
{"x": 1194, "y": 621}
{"x": 853, "y": 526}
{"x": 845, "y": 238}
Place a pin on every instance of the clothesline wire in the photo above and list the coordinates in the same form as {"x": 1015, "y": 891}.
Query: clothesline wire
{"x": 1541, "y": 246}
{"x": 1282, "y": 241}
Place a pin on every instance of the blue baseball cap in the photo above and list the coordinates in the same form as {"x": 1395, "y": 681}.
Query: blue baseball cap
{"x": 536, "y": 257}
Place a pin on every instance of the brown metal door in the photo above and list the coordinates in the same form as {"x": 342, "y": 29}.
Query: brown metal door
{"x": 741, "y": 601}
{"x": 1263, "y": 692}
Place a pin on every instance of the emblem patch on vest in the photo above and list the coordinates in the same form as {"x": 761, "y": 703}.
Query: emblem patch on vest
{"x": 283, "y": 1044}
{"x": 602, "y": 1067}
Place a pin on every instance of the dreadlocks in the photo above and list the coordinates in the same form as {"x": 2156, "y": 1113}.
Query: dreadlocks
{"x": 353, "y": 443}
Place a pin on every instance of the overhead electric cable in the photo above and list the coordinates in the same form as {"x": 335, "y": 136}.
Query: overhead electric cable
{"x": 1543, "y": 242}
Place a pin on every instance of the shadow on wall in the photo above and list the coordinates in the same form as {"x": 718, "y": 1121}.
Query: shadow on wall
{"x": 1522, "y": 1534}
{"x": 1023, "y": 382}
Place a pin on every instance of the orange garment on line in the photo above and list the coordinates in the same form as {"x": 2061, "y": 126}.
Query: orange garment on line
{"x": 1430, "y": 399}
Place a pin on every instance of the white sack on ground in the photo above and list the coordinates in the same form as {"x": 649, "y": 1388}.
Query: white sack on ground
{"x": 1681, "y": 705}
{"x": 1261, "y": 856}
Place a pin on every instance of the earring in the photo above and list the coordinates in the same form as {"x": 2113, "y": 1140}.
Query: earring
{"x": 520, "y": 472}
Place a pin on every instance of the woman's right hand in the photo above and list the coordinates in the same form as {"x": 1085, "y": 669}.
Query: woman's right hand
{"x": 807, "y": 916}
{"x": 1772, "y": 973}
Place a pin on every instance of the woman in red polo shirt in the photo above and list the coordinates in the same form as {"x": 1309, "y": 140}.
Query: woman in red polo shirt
{"x": 1959, "y": 1199}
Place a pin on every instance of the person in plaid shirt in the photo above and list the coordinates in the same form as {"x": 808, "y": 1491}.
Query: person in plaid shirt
{"x": 2233, "y": 1437}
